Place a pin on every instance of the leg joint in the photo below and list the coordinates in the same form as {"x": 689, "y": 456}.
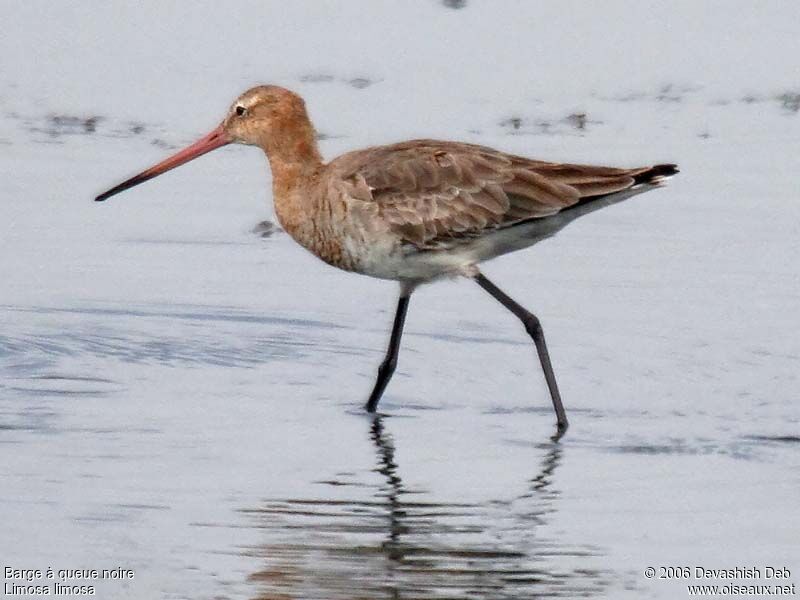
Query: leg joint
{"x": 532, "y": 324}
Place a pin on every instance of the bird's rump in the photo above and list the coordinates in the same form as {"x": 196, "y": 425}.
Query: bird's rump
{"x": 434, "y": 193}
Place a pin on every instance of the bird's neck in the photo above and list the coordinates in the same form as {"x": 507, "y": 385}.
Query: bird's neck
{"x": 293, "y": 154}
{"x": 296, "y": 163}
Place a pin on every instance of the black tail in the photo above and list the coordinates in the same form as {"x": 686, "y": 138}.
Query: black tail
{"x": 655, "y": 173}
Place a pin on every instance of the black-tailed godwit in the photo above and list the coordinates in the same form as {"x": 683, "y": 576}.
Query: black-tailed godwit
{"x": 414, "y": 211}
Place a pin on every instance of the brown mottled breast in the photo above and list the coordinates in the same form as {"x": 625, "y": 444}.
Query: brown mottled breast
{"x": 317, "y": 219}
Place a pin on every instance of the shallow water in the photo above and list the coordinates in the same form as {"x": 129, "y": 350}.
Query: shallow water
{"x": 181, "y": 385}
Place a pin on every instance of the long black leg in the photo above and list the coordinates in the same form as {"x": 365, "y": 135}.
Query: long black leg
{"x": 534, "y": 329}
{"x": 389, "y": 363}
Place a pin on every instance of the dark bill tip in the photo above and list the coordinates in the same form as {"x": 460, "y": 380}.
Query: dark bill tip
{"x": 129, "y": 183}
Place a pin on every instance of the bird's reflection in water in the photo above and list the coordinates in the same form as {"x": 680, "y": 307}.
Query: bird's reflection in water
{"x": 386, "y": 541}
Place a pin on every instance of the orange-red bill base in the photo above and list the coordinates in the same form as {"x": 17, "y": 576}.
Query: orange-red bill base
{"x": 212, "y": 141}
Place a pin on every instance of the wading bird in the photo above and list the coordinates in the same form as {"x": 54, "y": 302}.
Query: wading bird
{"x": 414, "y": 211}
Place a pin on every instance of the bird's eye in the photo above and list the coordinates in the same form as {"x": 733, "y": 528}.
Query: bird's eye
{"x": 240, "y": 110}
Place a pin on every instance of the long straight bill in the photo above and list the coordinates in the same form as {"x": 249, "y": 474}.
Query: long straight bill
{"x": 212, "y": 141}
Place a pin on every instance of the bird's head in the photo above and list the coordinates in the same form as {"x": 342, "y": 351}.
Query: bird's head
{"x": 263, "y": 114}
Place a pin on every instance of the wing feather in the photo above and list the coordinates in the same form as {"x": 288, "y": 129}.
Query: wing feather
{"x": 432, "y": 193}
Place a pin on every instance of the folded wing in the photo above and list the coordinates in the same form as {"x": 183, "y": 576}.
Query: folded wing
{"x": 432, "y": 193}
